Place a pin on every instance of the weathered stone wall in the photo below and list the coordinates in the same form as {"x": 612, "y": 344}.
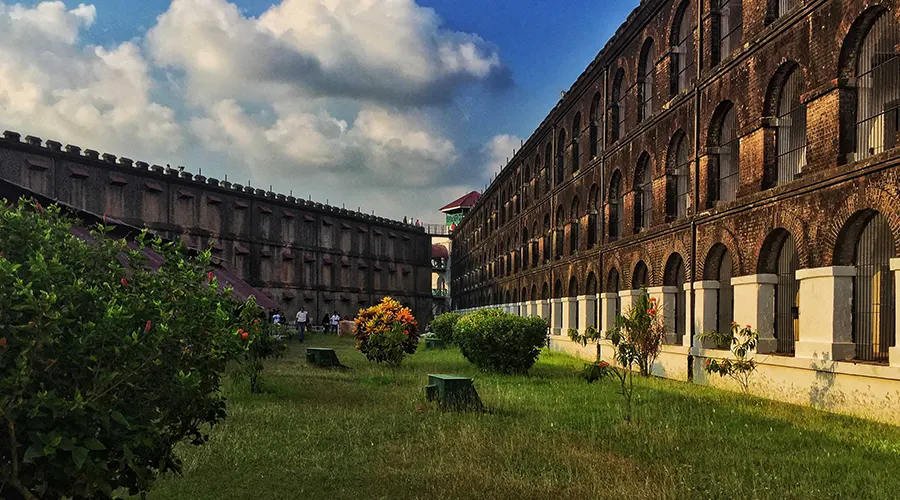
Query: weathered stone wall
{"x": 303, "y": 253}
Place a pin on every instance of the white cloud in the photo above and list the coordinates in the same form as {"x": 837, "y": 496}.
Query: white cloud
{"x": 498, "y": 151}
{"x": 54, "y": 87}
{"x": 336, "y": 98}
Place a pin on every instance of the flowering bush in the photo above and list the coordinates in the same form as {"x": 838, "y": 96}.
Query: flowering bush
{"x": 262, "y": 341}
{"x": 496, "y": 341}
{"x": 742, "y": 342}
{"x": 638, "y": 335}
{"x": 105, "y": 364}
{"x": 386, "y": 332}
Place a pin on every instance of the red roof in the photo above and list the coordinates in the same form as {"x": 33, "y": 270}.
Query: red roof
{"x": 439, "y": 252}
{"x": 466, "y": 201}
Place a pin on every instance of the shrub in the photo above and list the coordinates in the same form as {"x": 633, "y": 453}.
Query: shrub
{"x": 742, "y": 342}
{"x": 105, "y": 364}
{"x": 496, "y": 341}
{"x": 641, "y": 329}
{"x": 386, "y": 332}
{"x": 443, "y": 325}
{"x": 263, "y": 341}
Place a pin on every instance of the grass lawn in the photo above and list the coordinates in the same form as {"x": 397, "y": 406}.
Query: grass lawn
{"x": 356, "y": 434}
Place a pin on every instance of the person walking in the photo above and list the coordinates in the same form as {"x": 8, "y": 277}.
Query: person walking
{"x": 302, "y": 318}
{"x": 335, "y": 319}
{"x": 276, "y": 318}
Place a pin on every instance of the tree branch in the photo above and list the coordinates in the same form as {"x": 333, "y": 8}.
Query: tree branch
{"x": 13, "y": 480}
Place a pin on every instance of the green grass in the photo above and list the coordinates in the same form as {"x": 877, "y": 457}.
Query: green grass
{"x": 356, "y": 434}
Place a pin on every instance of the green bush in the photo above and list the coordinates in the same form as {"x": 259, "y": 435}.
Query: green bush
{"x": 495, "y": 341}
{"x": 442, "y": 326}
{"x": 105, "y": 364}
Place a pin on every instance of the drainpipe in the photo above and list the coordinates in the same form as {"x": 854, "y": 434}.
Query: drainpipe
{"x": 699, "y": 67}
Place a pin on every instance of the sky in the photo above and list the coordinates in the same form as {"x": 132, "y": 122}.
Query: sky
{"x": 391, "y": 106}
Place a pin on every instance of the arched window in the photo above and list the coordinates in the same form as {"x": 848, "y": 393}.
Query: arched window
{"x": 729, "y": 25}
{"x": 612, "y": 286}
{"x": 548, "y": 169}
{"x": 647, "y": 68}
{"x": 718, "y": 268}
{"x": 593, "y": 133}
{"x": 675, "y": 277}
{"x": 724, "y": 167}
{"x": 641, "y": 277}
{"x": 525, "y": 245}
{"x": 616, "y": 206}
{"x": 867, "y": 242}
{"x": 576, "y": 150}
{"x": 779, "y": 256}
{"x": 878, "y": 88}
{"x": 617, "y": 107}
{"x": 537, "y": 177}
{"x": 561, "y": 157}
{"x": 643, "y": 194}
{"x": 560, "y": 231}
{"x": 678, "y": 177}
{"x": 790, "y": 139}
{"x": 682, "y": 56}
{"x": 575, "y": 227}
{"x": 593, "y": 220}
{"x": 547, "y": 238}
{"x": 535, "y": 250}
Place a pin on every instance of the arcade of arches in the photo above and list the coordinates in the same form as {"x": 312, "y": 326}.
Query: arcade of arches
{"x": 769, "y": 198}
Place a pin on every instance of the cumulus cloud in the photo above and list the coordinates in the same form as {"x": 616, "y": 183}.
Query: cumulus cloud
{"x": 335, "y": 98}
{"x": 53, "y": 86}
{"x": 384, "y": 50}
{"x": 498, "y": 151}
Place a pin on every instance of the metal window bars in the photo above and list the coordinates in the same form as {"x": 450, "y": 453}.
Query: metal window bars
{"x": 729, "y": 154}
{"x": 646, "y": 198}
{"x": 787, "y": 294}
{"x": 873, "y": 292}
{"x": 647, "y": 71}
{"x": 725, "y": 298}
{"x": 785, "y": 6}
{"x": 731, "y": 19}
{"x": 878, "y": 88}
{"x": 791, "y": 132}
{"x": 682, "y": 179}
{"x": 684, "y": 52}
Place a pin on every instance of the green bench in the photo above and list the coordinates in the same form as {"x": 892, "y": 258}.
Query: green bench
{"x": 322, "y": 357}
{"x": 434, "y": 343}
{"x": 452, "y": 392}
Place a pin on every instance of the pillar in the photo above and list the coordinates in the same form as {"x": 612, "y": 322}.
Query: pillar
{"x": 542, "y": 310}
{"x": 587, "y": 311}
{"x": 665, "y": 305}
{"x": 894, "y": 351}
{"x": 826, "y": 313}
{"x": 706, "y": 311}
{"x": 626, "y": 299}
{"x": 556, "y": 314}
{"x": 608, "y": 311}
{"x": 754, "y": 305}
{"x": 568, "y": 315}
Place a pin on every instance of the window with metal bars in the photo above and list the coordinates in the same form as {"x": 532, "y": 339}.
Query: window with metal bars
{"x": 546, "y": 238}
{"x": 548, "y": 169}
{"x": 724, "y": 297}
{"x": 561, "y": 156}
{"x": 682, "y": 179}
{"x": 873, "y": 292}
{"x": 576, "y": 150}
{"x": 647, "y": 67}
{"x": 575, "y": 227}
{"x": 594, "y": 131}
{"x": 612, "y": 286}
{"x": 787, "y": 297}
{"x": 731, "y": 27}
{"x": 728, "y": 159}
{"x": 783, "y": 7}
{"x": 790, "y": 138}
{"x": 617, "y": 107}
{"x": 675, "y": 276}
{"x": 640, "y": 278}
{"x": 616, "y": 206}
{"x": 878, "y": 88}
{"x": 646, "y": 198}
{"x": 683, "y": 51}
{"x": 560, "y": 232}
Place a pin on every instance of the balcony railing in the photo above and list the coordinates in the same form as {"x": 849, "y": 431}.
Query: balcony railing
{"x": 436, "y": 292}
{"x": 437, "y": 229}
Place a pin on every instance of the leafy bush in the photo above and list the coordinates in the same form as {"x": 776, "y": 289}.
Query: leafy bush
{"x": 641, "y": 329}
{"x": 443, "y": 325}
{"x": 496, "y": 341}
{"x": 742, "y": 342}
{"x": 263, "y": 341}
{"x": 386, "y": 332}
{"x": 105, "y": 364}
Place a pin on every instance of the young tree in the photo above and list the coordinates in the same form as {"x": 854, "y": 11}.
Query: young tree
{"x": 742, "y": 341}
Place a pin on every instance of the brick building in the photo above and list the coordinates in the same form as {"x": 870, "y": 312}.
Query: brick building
{"x": 738, "y": 159}
{"x": 300, "y": 252}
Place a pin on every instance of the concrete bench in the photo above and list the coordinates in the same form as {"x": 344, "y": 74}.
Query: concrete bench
{"x": 452, "y": 392}
{"x": 322, "y": 357}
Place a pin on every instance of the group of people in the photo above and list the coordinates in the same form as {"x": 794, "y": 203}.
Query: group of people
{"x": 330, "y": 322}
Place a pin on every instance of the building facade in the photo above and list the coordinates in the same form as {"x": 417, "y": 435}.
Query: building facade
{"x": 736, "y": 158}
{"x": 301, "y": 253}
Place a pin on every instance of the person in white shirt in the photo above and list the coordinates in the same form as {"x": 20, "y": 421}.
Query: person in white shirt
{"x": 335, "y": 319}
{"x": 302, "y": 317}
{"x": 276, "y": 318}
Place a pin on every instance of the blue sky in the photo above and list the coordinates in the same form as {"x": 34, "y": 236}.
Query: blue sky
{"x": 335, "y": 112}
